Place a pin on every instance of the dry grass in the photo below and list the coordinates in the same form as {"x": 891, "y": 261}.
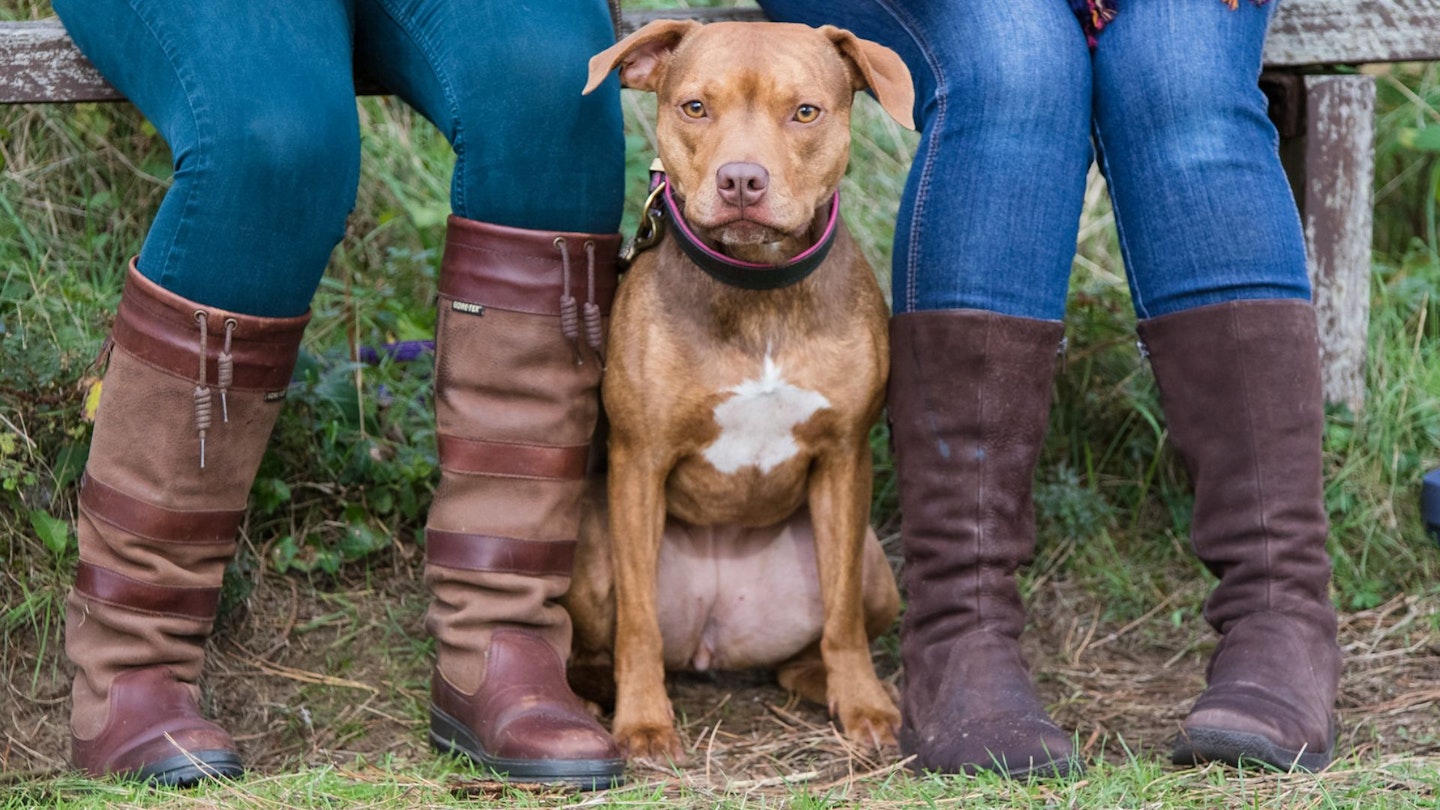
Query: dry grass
{"x": 333, "y": 682}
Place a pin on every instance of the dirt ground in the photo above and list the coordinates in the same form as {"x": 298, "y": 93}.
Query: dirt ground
{"x": 304, "y": 677}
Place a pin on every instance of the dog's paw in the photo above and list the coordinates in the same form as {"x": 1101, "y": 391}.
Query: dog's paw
{"x": 652, "y": 744}
{"x": 868, "y": 713}
{"x": 876, "y": 726}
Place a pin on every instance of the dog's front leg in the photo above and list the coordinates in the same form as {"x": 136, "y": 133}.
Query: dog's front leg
{"x": 644, "y": 719}
{"x": 840, "y": 508}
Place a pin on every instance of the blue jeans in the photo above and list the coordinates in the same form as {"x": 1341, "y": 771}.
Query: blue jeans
{"x": 257, "y": 101}
{"x": 1010, "y": 100}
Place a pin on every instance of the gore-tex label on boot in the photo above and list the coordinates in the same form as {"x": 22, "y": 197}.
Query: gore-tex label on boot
{"x": 276, "y": 396}
{"x": 467, "y": 307}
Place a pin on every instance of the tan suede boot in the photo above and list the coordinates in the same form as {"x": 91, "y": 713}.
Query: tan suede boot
{"x": 516, "y": 401}
{"x": 1240, "y": 384}
{"x": 969, "y": 404}
{"x": 174, "y": 452}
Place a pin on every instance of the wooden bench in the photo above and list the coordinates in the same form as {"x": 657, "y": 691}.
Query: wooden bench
{"x": 1324, "y": 113}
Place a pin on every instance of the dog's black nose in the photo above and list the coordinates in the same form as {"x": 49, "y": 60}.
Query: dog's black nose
{"x": 742, "y": 184}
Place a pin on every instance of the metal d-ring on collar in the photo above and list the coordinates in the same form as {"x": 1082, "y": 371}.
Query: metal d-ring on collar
{"x": 652, "y": 223}
{"x": 735, "y": 273}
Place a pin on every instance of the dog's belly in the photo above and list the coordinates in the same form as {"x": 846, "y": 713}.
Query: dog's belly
{"x": 737, "y": 598}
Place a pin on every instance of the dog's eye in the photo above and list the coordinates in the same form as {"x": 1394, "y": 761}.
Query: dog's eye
{"x": 693, "y": 109}
{"x": 806, "y": 113}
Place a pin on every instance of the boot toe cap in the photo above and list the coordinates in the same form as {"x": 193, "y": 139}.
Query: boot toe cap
{"x": 155, "y": 732}
{"x": 551, "y": 735}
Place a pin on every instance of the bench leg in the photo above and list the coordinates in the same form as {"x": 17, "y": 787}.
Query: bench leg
{"x": 1330, "y": 153}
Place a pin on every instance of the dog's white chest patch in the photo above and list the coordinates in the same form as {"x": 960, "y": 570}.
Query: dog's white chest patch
{"x": 757, "y": 422}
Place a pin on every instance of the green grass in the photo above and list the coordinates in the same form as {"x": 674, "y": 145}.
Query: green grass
{"x": 1135, "y": 784}
{"x": 342, "y": 494}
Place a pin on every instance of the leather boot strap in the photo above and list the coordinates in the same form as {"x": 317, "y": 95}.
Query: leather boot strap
{"x": 514, "y": 269}
{"x": 107, "y": 586}
{"x": 161, "y": 328}
{"x": 480, "y": 552}
{"x": 479, "y": 457}
{"x": 108, "y": 504}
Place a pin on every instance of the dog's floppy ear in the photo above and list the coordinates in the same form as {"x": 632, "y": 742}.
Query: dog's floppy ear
{"x": 641, "y": 56}
{"x": 880, "y": 70}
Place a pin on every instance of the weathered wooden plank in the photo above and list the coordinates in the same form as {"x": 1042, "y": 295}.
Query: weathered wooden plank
{"x": 1337, "y": 32}
{"x": 1339, "y": 225}
{"x": 1305, "y": 33}
{"x": 632, "y": 20}
{"x": 38, "y": 62}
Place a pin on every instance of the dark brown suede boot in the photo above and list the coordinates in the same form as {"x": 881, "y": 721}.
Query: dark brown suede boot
{"x": 175, "y": 449}
{"x": 516, "y": 401}
{"x": 1240, "y": 384}
{"x": 969, "y": 404}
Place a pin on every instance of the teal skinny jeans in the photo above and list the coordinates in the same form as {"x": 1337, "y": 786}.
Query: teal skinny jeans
{"x": 256, "y": 99}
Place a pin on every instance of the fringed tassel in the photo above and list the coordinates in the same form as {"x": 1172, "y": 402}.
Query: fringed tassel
{"x": 1094, "y": 15}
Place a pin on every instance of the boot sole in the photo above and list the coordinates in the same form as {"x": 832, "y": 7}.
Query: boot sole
{"x": 1199, "y": 745}
{"x": 1060, "y": 769}
{"x": 1064, "y": 767}
{"x": 189, "y": 770}
{"x": 450, "y": 736}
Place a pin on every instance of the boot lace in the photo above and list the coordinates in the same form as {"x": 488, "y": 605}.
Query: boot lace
{"x": 204, "y": 402}
{"x": 571, "y": 313}
{"x": 226, "y": 370}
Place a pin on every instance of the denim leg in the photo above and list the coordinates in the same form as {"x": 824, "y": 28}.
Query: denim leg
{"x": 256, "y": 100}
{"x": 992, "y": 205}
{"x": 503, "y": 82}
{"x": 1203, "y": 208}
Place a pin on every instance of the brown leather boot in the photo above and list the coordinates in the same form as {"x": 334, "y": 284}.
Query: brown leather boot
{"x": 516, "y": 401}
{"x": 174, "y": 452}
{"x": 969, "y": 404}
{"x": 1240, "y": 384}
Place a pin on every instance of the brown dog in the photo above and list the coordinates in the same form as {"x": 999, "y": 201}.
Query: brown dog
{"x": 746, "y": 367}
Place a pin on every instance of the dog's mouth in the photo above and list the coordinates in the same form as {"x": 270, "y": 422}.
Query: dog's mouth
{"x": 745, "y": 231}
{"x": 750, "y": 233}
{"x": 753, "y": 226}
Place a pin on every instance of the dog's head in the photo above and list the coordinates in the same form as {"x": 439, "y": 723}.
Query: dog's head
{"x": 753, "y": 119}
